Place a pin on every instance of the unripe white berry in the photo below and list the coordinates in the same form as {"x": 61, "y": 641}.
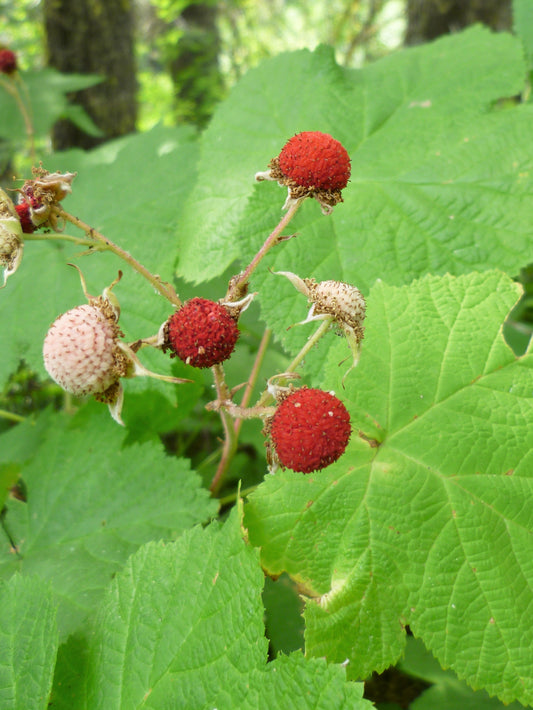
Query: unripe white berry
{"x": 341, "y": 300}
{"x": 80, "y": 351}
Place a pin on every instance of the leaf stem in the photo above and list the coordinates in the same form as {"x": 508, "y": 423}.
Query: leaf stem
{"x": 65, "y": 237}
{"x": 4, "y": 414}
{"x": 164, "y": 288}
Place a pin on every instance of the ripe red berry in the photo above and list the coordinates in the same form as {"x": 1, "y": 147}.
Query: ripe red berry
{"x": 24, "y": 213}
{"x": 315, "y": 160}
{"x": 8, "y": 61}
{"x": 311, "y": 164}
{"x": 201, "y": 333}
{"x": 310, "y": 430}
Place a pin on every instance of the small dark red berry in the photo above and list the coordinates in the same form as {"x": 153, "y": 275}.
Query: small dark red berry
{"x": 310, "y": 430}
{"x": 202, "y": 333}
{"x": 8, "y": 61}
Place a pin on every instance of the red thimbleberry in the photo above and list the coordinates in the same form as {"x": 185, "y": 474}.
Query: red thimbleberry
{"x": 24, "y": 213}
{"x": 315, "y": 160}
{"x": 201, "y": 333}
{"x": 8, "y": 61}
{"x": 311, "y": 164}
{"x": 310, "y": 430}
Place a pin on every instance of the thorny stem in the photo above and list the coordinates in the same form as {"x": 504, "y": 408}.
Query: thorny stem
{"x": 273, "y": 238}
{"x": 164, "y": 288}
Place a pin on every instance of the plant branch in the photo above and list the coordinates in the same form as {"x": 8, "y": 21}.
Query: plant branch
{"x": 263, "y": 345}
{"x": 238, "y": 285}
{"x": 164, "y": 288}
{"x": 311, "y": 342}
{"x": 4, "y": 414}
{"x": 230, "y": 439}
{"x": 65, "y": 237}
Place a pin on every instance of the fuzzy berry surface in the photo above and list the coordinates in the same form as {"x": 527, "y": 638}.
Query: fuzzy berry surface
{"x": 202, "y": 333}
{"x": 315, "y": 160}
{"x": 24, "y": 213}
{"x": 310, "y": 430}
{"x": 8, "y": 61}
{"x": 79, "y": 349}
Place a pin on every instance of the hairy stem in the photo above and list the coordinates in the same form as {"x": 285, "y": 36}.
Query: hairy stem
{"x": 164, "y": 288}
{"x": 230, "y": 438}
{"x": 239, "y": 284}
{"x": 263, "y": 345}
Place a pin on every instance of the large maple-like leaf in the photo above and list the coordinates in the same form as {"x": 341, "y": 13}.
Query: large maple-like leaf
{"x": 427, "y": 519}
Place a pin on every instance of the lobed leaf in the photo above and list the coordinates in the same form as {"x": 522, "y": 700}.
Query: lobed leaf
{"x": 439, "y": 176}
{"x": 182, "y": 626}
{"x": 425, "y": 520}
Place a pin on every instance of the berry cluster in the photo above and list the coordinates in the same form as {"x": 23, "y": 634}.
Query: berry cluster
{"x": 307, "y": 429}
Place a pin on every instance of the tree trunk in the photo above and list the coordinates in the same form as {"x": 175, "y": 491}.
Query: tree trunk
{"x": 94, "y": 37}
{"x": 428, "y": 19}
{"x": 194, "y": 67}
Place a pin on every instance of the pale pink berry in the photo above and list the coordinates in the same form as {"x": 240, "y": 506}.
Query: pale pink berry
{"x": 80, "y": 351}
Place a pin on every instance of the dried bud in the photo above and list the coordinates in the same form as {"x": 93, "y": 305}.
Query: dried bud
{"x": 45, "y": 192}
{"x": 337, "y": 300}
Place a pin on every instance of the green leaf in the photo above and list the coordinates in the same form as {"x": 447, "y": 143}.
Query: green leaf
{"x": 28, "y": 643}
{"x": 447, "y": 691}
{"x": 439, "y": 178}
{"x": 523, "y": 27}
{"x": 91, "y": 503}
{"x": 182, "y": 626}
{"x": 426, "y": 519}
{"x": 9, "y": 473}
{"x": 46, "y": 92}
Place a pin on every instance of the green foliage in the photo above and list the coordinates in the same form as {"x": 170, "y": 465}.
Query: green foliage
{"x": 391, "y": 532}
{"x": 28, "y": 643}
{"x": 426, "y": 520}
{"x": 44, "y": 93}
{"x": 91, "y": 503}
